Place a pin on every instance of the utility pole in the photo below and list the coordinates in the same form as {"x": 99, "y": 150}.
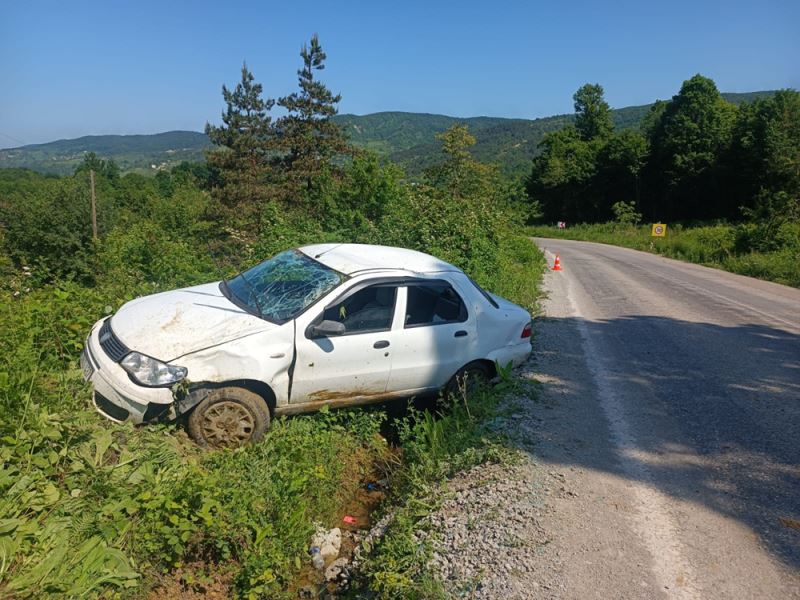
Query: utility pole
{"x": 94, "y": 207}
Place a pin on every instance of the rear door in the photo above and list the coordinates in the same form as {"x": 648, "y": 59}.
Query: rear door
{"x": 437, "y": 338}
{"x": 356, "y": 363}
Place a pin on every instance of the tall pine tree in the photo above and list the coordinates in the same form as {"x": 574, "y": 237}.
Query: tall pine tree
{"x": 244, "y": 149}
{"x": 309, "y": 139}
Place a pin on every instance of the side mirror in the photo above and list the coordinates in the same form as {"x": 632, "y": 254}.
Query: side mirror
{"x": 327, "y": 329}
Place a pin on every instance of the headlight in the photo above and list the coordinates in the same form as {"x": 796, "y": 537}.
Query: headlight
{"x": 149, "y": 371}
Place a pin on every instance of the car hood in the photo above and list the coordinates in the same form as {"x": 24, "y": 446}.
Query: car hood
{"x": 168, "y": 325}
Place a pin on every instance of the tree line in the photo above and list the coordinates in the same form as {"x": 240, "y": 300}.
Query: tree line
{"x": 694, "y": 157}
{"x": 257, "y": 160}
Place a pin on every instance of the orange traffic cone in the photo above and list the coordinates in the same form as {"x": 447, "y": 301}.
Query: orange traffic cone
{"x": 557, "y": 264}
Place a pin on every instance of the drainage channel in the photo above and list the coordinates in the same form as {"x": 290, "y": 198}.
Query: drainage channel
{"x": 335, "y": 574}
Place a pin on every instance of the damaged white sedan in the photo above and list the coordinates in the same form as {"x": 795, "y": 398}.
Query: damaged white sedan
{"x": 323, "y": 325}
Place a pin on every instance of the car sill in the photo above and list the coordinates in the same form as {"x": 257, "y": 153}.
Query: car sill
{"x": 305, "y": 407}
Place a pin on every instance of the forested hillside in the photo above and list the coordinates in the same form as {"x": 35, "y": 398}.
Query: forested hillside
{"x": 405, "y": 138}
{"x": 142, "y": 153}
{"x": 408, "y": 138}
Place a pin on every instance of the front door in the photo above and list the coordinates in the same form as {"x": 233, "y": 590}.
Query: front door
{"x": 355, "y": 364}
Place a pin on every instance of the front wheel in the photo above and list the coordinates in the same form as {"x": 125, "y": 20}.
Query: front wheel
{"x": 468, "y": 379}
{"x": 228, "y": 417}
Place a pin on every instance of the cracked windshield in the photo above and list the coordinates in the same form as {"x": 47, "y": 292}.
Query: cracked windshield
{"x": 283, "y": 286}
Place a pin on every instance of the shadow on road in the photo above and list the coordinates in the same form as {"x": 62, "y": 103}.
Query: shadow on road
{"x": 714, "y": 412}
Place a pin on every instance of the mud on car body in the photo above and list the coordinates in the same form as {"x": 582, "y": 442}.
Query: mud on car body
{"x": 322, "y": 325}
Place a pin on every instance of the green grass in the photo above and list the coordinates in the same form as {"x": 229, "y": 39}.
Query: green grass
{"x": 87, "y": 506}
{"x": 747, "y": 249}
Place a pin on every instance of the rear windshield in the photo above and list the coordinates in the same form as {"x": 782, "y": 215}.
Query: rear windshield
{"x": 484, "y": 292}
{"x": 283, "y": 286}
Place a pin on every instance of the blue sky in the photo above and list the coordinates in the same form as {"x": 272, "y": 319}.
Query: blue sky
{"x": 77, "y": 68}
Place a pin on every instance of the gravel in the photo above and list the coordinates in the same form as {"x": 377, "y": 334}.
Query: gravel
{"x": 486, "y": 534}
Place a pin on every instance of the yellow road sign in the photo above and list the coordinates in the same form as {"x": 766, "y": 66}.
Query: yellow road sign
{"x": 659, "y": 230}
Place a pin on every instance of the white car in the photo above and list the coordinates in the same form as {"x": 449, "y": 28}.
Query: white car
{"x": 323, "y": 325}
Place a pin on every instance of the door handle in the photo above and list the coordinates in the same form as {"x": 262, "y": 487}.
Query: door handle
{"x": 381, "y": 344}
{"x": 460, "y": 333}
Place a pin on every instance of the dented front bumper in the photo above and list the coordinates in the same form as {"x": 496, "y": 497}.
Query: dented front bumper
{"x": 115, "y": 396}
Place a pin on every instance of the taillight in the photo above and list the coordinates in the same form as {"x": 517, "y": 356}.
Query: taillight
{"x": 526, "y": 331}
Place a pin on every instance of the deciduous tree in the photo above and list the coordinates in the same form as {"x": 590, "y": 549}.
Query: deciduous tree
{"x": 562, "y": 177}
{"x": 620, "y": 163}
{"x": 765, "y": 153}
{"x": 459, "y": 174}
{"x": 688, "y": 140}
{"x": 592, "y": 113}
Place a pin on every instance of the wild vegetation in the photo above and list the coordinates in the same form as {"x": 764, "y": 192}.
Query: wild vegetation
{"x": 435, "y": 449}
{"x": 88, "y": 508}
{"x": 696, "y": 160}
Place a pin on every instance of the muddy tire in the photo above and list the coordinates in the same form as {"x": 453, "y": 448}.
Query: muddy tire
{"x": 228, "y": 417}
{"x": 468, "y": 378}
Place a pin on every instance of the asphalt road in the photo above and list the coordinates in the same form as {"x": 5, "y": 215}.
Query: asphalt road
{"x": 673, "y": 397}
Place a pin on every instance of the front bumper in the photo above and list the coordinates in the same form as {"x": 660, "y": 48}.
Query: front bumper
{"x": 115, "y": 396}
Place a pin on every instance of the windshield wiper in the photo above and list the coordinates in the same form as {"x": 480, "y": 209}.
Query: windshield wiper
{"x": 253, "y": 294}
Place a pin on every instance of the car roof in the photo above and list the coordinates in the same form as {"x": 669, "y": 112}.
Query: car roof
{"x": 352, "y": 258}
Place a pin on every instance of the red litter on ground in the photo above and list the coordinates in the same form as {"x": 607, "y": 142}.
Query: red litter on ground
{"x": 349, "y": 520}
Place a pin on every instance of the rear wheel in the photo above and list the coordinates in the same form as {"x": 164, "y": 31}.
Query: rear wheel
{"x": 468, "y": 379}
{"x": 228, "y": 417}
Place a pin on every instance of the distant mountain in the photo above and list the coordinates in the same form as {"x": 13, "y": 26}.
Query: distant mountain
{"x": 406, "y": 138}
{"x": 409, "y": 138}
{"x": 131, "y": 152}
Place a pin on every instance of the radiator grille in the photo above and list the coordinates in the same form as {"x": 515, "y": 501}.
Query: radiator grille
{"x": 111, "y": 344}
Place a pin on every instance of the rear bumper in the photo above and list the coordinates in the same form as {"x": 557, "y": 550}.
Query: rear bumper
{"x": 516, "y": 354}
{"x": 115, "y": 396}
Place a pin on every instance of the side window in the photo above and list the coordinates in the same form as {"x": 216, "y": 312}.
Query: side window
{"x": 370, "y": 309}
{"x": 431, "y": 304}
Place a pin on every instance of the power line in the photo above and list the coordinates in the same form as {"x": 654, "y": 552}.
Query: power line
{"x": 13, "y": 139}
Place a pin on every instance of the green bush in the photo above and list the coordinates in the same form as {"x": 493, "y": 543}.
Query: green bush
{"x": 50, "y": 230}
{"x": 145, "y": 252}
{"x": 303, "y": 473}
